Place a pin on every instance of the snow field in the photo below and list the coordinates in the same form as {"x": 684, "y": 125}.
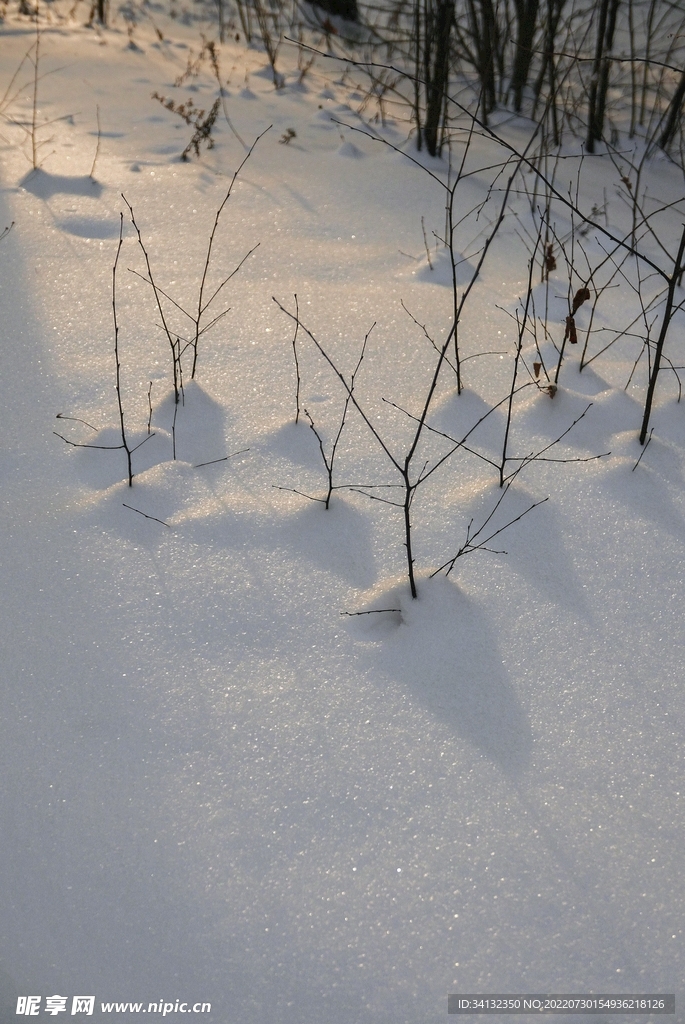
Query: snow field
{"x": 217, "y": 786}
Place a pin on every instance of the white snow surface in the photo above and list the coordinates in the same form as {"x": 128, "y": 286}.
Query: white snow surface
{"x": 216, "y": 786}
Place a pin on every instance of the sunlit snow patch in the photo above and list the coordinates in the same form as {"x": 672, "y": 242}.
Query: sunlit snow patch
{"x": 164, "y": 497}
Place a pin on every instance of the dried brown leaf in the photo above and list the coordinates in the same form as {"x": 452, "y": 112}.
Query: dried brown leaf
{"x": 581, "y": 296}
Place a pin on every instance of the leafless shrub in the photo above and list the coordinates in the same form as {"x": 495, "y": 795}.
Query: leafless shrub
{"x": 200, "y": 120}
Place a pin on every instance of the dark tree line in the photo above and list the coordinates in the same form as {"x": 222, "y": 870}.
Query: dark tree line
{"x": 553, "y": 58}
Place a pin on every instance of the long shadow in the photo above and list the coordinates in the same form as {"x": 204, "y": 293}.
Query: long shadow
{"x": 646, "y": 495}
{"x": 200, "y": 423}
{"x": 443, "y": 651}
{"x": 45, "y": 185}
{"x": 89, "y": 227}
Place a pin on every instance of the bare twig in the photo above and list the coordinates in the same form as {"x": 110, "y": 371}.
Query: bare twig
{"x": 97, "y": 148}
{"x": 202, "y": 306}
{"x": 124, "y": 442}
{"x": 213, "y": 462}
{"x": 297, "y": 364}
{"x": 76, "y": 419}
{"x": 145, "y": 515}
{"x": 156, "y": 292}
{"x": 643, "y": 451}
{"x": 373, "y": 611}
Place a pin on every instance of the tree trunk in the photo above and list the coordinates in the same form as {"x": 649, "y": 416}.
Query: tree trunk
{"x": 554, "y": 11}
{"x": 484, "y": 33}
{"x": 600, "y": 72}
{"x": 673, "y": 115}
{"x": 438, "y": 73}
{"x": 526, "y": 17}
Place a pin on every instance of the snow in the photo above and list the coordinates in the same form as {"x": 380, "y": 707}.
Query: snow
{"x": 218, "y": 784}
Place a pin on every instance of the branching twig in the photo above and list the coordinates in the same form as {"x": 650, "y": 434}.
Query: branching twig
{"x": 156, "y": 291}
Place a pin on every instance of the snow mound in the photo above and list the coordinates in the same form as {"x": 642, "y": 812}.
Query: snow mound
{"x": 439, "y": 270}
{"x": 164, "y": 497}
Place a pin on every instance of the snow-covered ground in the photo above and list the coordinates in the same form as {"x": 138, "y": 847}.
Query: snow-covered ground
{"x": 215, "y": 785}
